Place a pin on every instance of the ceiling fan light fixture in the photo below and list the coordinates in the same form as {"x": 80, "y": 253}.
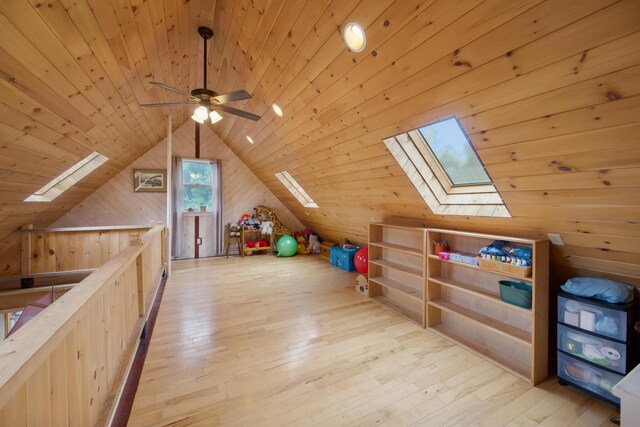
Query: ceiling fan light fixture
{"x": 200, "y": 114}
{"x": 249, "y": 139}
{"x": 277, "y": 110}
{"x": 215, "y": 117}
{"x": 354, "y": 37}
{"x": 197, "y": 119}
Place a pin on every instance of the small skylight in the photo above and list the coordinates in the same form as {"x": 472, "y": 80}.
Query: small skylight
{"x": 68, "y": 178}
{"x": 295, "y": 189}
{"x": 451, "y": 147}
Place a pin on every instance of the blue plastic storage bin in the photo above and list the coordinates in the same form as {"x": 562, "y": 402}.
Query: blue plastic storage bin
{"x": 342, "y": 258}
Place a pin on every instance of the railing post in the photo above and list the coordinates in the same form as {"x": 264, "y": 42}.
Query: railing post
{"x": 25, "y": 268}
{"x": 140, "y": 285}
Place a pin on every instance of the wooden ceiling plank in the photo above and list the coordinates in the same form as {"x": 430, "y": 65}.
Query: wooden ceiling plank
{"x": 564, "y": 164}
{"x": 603, "y": 59}
{"x": 107, "y": 54}
{"x": 590, "y": 92}
{"x": 613, "y": 178}
{"x": 624, "y": 136}
{"x": 132, "y": 51}
{"x": 24, "y": 53}
{"x": 289, "y": 15}
{"x": 572, "y": 197}
{"x": 345, "y": 70}
{"x": 221, "y": 20}
{"x": 309, "y": 50}
{"x": 377, "y": 104}
{"x": 226, "y": 72}
{"x": 74, "y": 58}
{"x": 20, "y": 78}
{"x": 610, "y": 114}
{"x": 439, "y": 14}
{"x": 500, "y": 66}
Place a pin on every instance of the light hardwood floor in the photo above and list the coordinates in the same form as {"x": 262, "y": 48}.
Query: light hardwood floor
{"x": 287, "y": 341}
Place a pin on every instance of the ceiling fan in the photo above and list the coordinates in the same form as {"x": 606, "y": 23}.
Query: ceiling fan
{"x": 208, "y": 101}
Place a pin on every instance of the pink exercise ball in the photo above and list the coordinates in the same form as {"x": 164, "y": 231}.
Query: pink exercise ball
{"x": 361, "y": 260}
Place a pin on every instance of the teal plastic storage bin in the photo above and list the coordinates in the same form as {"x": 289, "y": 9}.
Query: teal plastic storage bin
{"x": 516, "y": 293}
{"x": 342, "y": 258}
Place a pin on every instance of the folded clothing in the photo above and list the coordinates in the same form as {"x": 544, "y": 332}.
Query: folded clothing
{"x": 604, "y": 289}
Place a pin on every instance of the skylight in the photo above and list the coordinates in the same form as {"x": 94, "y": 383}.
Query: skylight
{"x": 68, "y": 178}
{"x": 441, "y": 164}
{"x": 295, "y": 189}
{"x": 450, "y": 145}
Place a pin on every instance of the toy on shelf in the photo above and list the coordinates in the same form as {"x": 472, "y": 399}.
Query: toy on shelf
{"x": 302, "y": 246}
{"x": 503, "y": 256}
{"x": 234, "y": 230}
{"x": 440, "y": 247}
{"x": 278, "y": 228}
{"x": 314, "y": 243}
{"x": 266, "y": 228}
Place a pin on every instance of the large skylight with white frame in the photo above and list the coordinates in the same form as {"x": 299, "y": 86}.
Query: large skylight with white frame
{"x": 294, "y": 188}
{"x": 459, "y": 185}
{"x": 68, "y": 178}
{"x": 454, "y": 152}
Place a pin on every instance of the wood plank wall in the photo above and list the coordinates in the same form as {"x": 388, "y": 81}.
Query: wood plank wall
{"x": 54, "y": 251}
{"x": 549, "y": 92}
{"x": 115, "y": 203}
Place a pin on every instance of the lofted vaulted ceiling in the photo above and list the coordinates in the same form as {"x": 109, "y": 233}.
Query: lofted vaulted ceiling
{"x": 547, "y": 90}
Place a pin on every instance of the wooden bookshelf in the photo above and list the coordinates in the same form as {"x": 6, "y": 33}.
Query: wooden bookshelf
{"x": 397, "y": 269}
{"x": 462, "y": 301}
{"x": 464, "y": 304}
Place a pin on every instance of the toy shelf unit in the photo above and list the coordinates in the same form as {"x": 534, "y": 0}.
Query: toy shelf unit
{"x": 258, "y": 235}
{"x": 597, "y": 344}
{"x": 464, "y": 302}
{"x": 397, "y": 269}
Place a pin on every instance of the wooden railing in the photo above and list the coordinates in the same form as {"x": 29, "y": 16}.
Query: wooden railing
{"x": 77, "y": 248}
{"x": 67, "y": 365}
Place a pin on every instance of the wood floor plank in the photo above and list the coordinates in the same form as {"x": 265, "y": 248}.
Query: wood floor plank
{"x": 287, "y": 341}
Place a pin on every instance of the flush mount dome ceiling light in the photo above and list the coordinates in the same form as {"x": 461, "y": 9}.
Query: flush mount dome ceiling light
{"x": 277, "y": 110}
{"x": 354, "y": 37}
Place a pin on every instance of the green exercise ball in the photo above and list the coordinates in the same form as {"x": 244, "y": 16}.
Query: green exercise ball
{"x": 287, "y": 246}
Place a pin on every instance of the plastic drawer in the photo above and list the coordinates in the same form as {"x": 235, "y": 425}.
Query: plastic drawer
{"x": 588, "y": 377}
{"x": 593, "y": 318}
{"x": 597, "y": 350}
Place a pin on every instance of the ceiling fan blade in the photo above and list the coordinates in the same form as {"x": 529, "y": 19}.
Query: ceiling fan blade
{"x": 172, "y": 89}
{"x": 166, "y": 104}
{"x": 237, "y": 112}
{"x": 237, "y": 95}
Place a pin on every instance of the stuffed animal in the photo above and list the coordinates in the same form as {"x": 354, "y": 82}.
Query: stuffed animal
{"x": 234, "y": 229}
{"x": 302, "y": 249}
{"x": 314, "y": 244}
{"x": 266, "y": 227}
{"x": 262, "y": 243}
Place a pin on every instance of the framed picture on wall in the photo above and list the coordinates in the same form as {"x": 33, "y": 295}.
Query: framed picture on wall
{"x": 150, "y": 180}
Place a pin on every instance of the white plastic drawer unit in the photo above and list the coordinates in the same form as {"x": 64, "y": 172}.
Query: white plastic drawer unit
{"x": 597, "y": 350}
{"x": 588, "y": 377}
{"x": 593, "y": 318}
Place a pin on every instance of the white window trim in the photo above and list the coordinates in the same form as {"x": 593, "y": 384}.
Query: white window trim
{"x": 68, "y": 178}
{"x": 295, "y": 189}
{"x": 434, "y": 186}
